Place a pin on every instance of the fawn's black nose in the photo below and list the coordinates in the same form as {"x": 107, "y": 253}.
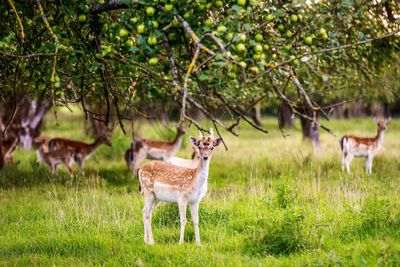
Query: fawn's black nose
{"x": 205, "y": 158}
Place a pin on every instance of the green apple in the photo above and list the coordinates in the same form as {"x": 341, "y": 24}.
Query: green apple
{"x": 308, "y": 40}
{"x": 325, "y": 36}
{"x": 269, "y": 17}
{"x": 253, "y": 2}
{"x": 243, "y": 64}
{"x": 259, "y": 37}
{"x": 258, "y": 48}
{"x": 140, "y": 28}
{"x": 153, "y": 61}
{"x": 208, "y": 22}
{"x": 218, "y": 3}
{"x": 292, "y": 57}
{"x": 169, "y": 7}
{"x": 82, "y": 18}
{"x": 150, "y": 11}
{"x": 187, "y": 15}
{"x": 241, "y": 47}
{"x": 289, "y": 33}
{"x": 229, "y": 36}
{"x": 257, "y": 56}
{"x": 254, "y": 70}
{"x": 243, "y": 37}
{"x": 155, "y": 24}
{"x": 221, "y": 28}
{"x": 152, "y": 40}
{"x": 281, "y": 27}
{"x": 294, "y": 18}
{"x": 57, "y": 84}
{"x": 322, "y": 32}
{"x": 232, "y": 75}
{"x": 133, "y": 20}
{"x": 241, "y": 2}
{"x": 129, "y": 43}
{"x": 266, "y": 47}
{"x": 274, "y": 56}
{"x": 123, "y": 32}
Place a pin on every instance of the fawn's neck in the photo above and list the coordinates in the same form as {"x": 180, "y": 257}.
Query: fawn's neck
{"x": 202, "y": 173}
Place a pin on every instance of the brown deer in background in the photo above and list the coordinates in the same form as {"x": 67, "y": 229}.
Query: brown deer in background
{"x": 368, "y": 147}
{"x": 81, "y": 150}
{"x": 152, "y": 149}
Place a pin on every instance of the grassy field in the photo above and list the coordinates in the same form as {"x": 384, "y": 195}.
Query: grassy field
{"x": 270, "y": 203}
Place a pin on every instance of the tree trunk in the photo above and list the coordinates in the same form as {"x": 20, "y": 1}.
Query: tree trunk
{"x": 310, "y": 130}
{"x": 285, "y": 116}
{"x": 256, "y": 114}
{"x": 1, "y": 158}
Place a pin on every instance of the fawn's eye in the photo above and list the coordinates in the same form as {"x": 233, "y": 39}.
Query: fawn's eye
{"x": 212, "y": 148}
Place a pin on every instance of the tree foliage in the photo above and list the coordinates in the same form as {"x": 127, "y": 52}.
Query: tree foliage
{"x": 221, "y": 57}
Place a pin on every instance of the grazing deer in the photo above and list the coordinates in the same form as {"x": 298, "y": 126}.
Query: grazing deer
{"x": 62, "y": 156}
{"x": 81, "y": 150}
{"x": 353, "y": 146}
{"x": 41, "y": 142}
{"x": 161, "y": 181}
{"x": 152, "y": 149}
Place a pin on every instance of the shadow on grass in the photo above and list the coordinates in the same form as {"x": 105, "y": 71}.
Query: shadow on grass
{"x": 17, "y": 175}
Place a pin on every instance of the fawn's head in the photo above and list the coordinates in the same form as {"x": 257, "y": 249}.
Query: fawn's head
{"x": 181, "y": 129}
{"x": 205, "y": 145}
{"x": 382, "y": 124}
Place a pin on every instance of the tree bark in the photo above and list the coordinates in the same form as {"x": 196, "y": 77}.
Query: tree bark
{"x": 285, "y": 116}
{"x": 310, "y": 130}
{"x": 1, "y": 158}
{"x": 256, "y": 114}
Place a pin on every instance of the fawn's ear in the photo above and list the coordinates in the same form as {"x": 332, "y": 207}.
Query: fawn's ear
{"x": 194, "y": 141}
{"x": 387, "y": 120}
{"x": 217, "y": 141}
{"x": 375, "y": 119}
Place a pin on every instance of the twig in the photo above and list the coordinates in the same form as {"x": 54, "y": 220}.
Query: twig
{"x": 11, "y": 3}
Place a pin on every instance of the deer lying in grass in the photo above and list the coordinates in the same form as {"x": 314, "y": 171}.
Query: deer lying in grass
{"x": 81, "y": 150}
{"x": 152, "y": 149}
{"x": 353, "y": 146}
{"x": 161, "y": 181}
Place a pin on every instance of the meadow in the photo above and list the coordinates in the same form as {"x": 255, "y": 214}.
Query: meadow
{"x": 271, "y": 202}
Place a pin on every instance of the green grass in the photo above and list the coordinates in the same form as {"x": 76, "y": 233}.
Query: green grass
{"x": 270, "y": 203}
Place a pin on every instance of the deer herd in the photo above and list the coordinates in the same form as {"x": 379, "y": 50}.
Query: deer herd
{"x": 169, "y": 178}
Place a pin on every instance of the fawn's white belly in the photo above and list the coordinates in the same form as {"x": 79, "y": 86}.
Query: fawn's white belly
{"x": 165, "y": 192}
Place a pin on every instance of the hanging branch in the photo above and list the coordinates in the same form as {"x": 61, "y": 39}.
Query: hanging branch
{"x": 322, "y": 51}
{"x": 185, "y": 83}
{"x": 295, "y": 111}
{"x": 16, "y": 106}
{"x": 11, "y": 3}
{"x": 57, "y": 46}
